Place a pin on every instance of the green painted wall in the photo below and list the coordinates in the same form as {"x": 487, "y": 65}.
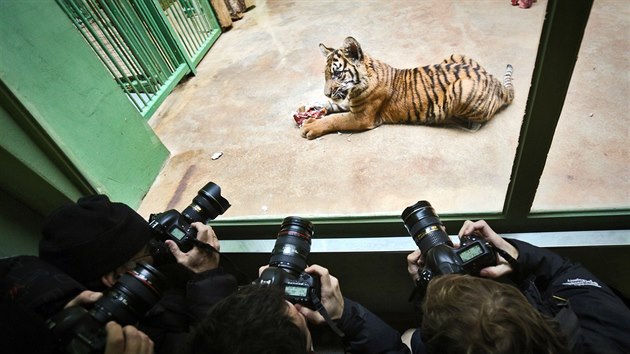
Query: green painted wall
{"x": 20, "y": 227}
{"x": 66, "y": 128}
{"x": 28, "y": 173}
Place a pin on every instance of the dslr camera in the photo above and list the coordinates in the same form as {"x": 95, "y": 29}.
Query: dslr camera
{"x": 78, "y": 330}
{"x": 288, "y": 261}
{"x": 438, "y": 253}
{"x": 171, "y": 225}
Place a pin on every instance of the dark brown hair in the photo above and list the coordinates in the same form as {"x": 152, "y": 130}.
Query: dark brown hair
{"x": 255, "y": 319}
{"x": 465, "y": 314}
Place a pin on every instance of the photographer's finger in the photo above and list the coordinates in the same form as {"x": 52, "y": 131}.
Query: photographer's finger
{"x": 115, "y": 342}
{"x": 202, "y": 231}
{"x": 214, "y": 241}
{"x": 262, "y": 268}
{"x": 481, "y": 228}
{"x": 467, "y": 228}
{"x": 172, "y": 246}
{"x": 206, "y": 234}
{"x": 414, "y": 257}
{"x": 332, "y": 299}
{"x": 495, "y": 239}
{"x": 323, "y": 273}
{"x": 136, "y": 341}
{"x": 413, "y": 264}
{"x": 310, "y": 315}
{"x": 86, "y": 297}
{"x": 495, "y": 271}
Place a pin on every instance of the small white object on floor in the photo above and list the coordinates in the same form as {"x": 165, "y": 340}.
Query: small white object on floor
{"x": 216, "y": 155}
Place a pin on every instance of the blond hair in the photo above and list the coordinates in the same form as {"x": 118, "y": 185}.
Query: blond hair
{"x": 465, "y": 314}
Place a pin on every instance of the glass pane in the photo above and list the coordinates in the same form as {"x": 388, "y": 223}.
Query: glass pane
{"x": 588, "y": 164}
{"x": 242, "y": 100}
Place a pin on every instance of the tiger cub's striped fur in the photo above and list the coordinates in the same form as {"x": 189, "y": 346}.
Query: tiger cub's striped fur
{"x": 366, "y": 93}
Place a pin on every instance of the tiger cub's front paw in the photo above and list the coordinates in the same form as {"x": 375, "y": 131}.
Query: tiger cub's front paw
{"x": 310, "y": 129}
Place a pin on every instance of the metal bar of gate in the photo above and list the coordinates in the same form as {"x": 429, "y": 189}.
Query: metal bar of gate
{"x": 146, "y": 68}
{"x": 122, "y": 16}
{"x": 196, "y": 26}
{"x": 143, "y": 21}
{"x": 183, "y": 30}
{"x": 197, "y": 23}
{"x": 92, "y": 34}
{"x": 158, "y": 33}
{"x": 165, "y": 25}
{"x": 122, "y": 52}
{"x": 209, "y": 27}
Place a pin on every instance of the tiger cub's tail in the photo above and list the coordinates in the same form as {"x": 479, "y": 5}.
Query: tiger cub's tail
{"x": 507, "y": 84}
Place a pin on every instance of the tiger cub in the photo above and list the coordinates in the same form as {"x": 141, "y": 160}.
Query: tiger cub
{"x": 366, "y": 93}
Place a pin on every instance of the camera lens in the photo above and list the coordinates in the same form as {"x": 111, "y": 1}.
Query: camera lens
{"x": 293, "y": 245}
{"x": 207, "y": 205}
{"x": 424, "y": 226}
{"x": 131, "y": 297}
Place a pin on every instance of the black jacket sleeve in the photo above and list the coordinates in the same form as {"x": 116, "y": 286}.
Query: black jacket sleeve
{"x": 206, "y": 289}
{"x": 179, "y": 309}
{"x": 366, "y": 333}
{"x": 603, "y": 318}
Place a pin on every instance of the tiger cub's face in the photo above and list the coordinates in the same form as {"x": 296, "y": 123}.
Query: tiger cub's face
{"x": 342, "y": 71}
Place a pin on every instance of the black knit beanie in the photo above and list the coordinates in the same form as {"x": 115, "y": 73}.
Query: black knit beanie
{"x": 92, "y": 237}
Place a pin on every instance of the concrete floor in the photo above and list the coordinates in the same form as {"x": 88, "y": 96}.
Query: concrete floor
{"x": 587, "y": 166}
{"x": 241, "y": 102}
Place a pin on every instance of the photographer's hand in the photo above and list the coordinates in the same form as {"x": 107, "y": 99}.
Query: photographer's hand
{"x": 196, "y": 259}
{"x": 414, "y": 263}
{"x": 262, "y": 268}
{"x": 330, "y": 296}
{"x": 127, "y": 340}
{"x": 86, "y": 297}
{"x": 483, "y": 229}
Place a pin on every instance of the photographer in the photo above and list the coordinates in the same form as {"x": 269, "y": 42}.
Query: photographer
{"x": 258, "y": 319}
{"x": 18, "y": 323}
{"x": 120, "y": 340}
{"x": 95, "y": 241}
{"x": 561, "y": 307}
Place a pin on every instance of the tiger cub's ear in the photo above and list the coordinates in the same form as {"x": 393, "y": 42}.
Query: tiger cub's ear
{"x": 325, "y": 50}
{"x": 352, "y": 49}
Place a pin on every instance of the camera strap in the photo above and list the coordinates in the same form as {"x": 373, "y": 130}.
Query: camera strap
{"x": 204, "y": 246}
{"x": 513, "y": 262}
{"x": 319, "y": 307}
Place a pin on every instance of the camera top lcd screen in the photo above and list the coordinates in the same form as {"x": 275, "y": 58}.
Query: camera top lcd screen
{"x": 470, "y": 252}
{"x": 298, "y": 291}
{"x": 177, "y": 233}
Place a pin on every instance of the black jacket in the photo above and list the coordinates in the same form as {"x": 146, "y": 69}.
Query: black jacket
{"x": 603, "y": 320}
{"x": 366, "y": 333}
{"x": 183, "y": 306}
{"x": 43, "y": 290}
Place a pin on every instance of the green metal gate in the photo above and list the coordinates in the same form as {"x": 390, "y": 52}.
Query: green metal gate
{"x": 195, "y": 25}
{"x": 147, "y": 46}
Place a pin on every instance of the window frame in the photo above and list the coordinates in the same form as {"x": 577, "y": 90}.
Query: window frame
{"x": 561, "y": 37}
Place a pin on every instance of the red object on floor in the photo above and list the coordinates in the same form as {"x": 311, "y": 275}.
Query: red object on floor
{"x": 523, "y": 4}
{"x": 304, "y": 113}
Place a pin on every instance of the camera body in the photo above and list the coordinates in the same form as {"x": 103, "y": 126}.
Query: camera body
{"x": 78, "y": 330}
{"x": 472, "y": 256}
{"x": 438, "y": 253}
{"x": 172, "y": 225}
{"x": 298, "y": 289}
{"x": 288, "y": 261}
